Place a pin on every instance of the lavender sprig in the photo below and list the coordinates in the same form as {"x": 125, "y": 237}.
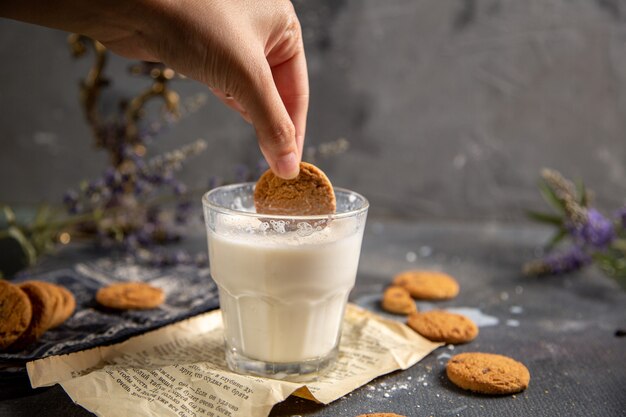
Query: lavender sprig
{"x": 124, "y": 207}
{"x": 595, "y": 238}
{"x": 556, "y": 263}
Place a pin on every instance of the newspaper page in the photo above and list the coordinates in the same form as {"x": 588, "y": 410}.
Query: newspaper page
{"x": 180, "y": 370}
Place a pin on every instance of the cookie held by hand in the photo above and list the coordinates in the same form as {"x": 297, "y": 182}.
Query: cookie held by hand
{"x": 130, "y": 296}
{"x": 309, "y": 194}
{"x": 487, "y": 373}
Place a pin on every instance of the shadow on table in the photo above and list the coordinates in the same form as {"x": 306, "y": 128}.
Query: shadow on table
{"x": 294, "y": 405}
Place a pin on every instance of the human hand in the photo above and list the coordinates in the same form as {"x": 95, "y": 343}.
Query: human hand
{"x": 249, "y": 53}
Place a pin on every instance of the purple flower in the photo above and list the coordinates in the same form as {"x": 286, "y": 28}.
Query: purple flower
{"x": 182, "y": 257}
{"x": 168, "y": 177}
{"x": 571, "y": 260}
{"x": 140, "y": 187}
{"x": 596, "y": 232}
{"x": 126, "y": 178}
{"x": 70, "y": 198}
{"x": 179, "y": 188}
{"x": 182, "y": 212}
{"x": 139, "y": 162}
{"x": 214, "y": 181}
{"x": 131, "y": 243}
{"x": 153, "y": 216}
{"x": 112, "y": 176}
{"x": 145, "y": 234}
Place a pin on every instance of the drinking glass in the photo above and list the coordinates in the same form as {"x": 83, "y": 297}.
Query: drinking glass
{"x": 283, "y": 281}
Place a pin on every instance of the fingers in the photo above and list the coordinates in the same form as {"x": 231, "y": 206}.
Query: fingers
{"x": 292, "y": 83}
{"x": 275, "y": 130}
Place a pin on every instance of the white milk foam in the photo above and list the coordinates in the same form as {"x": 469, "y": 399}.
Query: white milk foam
{"x": 283, "y": 296}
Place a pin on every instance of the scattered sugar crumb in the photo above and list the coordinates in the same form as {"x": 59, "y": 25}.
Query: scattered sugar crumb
{"x": 512, "y": 323}
{"x": 411, "y": 257}
{"x": 516, "y": 310}
{"x": 476, "y": 315}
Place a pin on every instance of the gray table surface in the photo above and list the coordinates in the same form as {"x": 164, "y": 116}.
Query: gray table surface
{"x": 562, "y": 328}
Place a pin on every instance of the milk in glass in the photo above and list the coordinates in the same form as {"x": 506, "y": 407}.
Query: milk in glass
{"x": 283, "y": 295}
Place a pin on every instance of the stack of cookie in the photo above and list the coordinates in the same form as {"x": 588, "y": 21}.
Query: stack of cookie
{"x": 484, "y": 373}
{"x": 30, "y": 309}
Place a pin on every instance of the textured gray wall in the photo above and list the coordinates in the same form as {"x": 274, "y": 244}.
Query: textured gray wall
{"x": 451, "y": 107}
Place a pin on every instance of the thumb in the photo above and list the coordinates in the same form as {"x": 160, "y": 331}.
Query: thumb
{"x": 275, "y": 130}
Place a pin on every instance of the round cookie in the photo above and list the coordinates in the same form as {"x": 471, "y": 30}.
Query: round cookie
{"x": 427, "y": 285}
{"x": 43, "y": 310}
{"x": 69, "y": 304}
{"x": 130, "y": 295}
{"x": 65, "y": 306}
{"x": 55, "y": 298}
{"x": 441, "y": 326}
{"x": 397, "y": 300}
{"x": 487, "y": 373}
{"x": 380, "y": 415}
{"x": 15, "y": 313}
{"x": 309, "y": 194}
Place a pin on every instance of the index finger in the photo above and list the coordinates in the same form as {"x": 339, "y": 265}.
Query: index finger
{"x": 292, "y": 82}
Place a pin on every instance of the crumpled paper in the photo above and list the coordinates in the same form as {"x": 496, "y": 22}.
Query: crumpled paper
{"x": 180, "y": 370}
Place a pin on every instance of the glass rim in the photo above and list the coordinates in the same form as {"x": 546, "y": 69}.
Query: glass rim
{"x": 226, "y": 210}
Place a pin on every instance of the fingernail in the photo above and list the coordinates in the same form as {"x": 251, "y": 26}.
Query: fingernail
{"x": 287, "y": 166}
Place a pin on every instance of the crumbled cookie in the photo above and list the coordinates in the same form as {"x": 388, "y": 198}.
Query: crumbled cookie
{"x": 15, "y": 313}
{"x": 397, "y": 300}
{"x": 380, "y": 415}
{"x": 427, "y": 285}
{"x": 442, "y": 326}
{"x": 487, "y": 373}
{"x": 130, "y": 295}
{"x": 310, "y": 193}
{"x": 42, "y": 305}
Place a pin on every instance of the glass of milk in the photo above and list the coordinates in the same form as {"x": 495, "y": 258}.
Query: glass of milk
{"x": 283, "y": 280}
